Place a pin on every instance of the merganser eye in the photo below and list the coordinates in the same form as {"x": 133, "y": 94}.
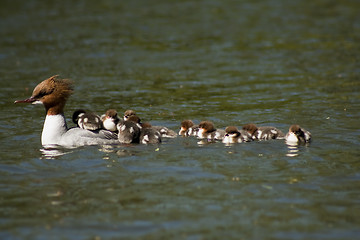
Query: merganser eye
{"x": 40, "y": 94}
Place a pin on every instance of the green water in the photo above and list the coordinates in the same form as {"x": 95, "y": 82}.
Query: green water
{"x": 232, "y": 62}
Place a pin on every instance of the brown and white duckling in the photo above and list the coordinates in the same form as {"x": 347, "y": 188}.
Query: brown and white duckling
{"x": 233, "y": 135}
{"x": 297, "y": 135}
{"x": 87, "y": 120}
{"x": 207, "y": 130}
{"x": 263, "y": 133}
{"x": 110, "y": 119}
{"x": 164, "y": 131}
{"x": 129, "y": 132}
{"x": 188, "y": 128}
{"x": 149, "y": 135}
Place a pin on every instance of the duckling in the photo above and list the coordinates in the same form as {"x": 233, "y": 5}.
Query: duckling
{"x": 188, "y": 128}
{"x": 297, "y": 134}
{"x": 263, "y": 133}
{"x": 87, "y": 120}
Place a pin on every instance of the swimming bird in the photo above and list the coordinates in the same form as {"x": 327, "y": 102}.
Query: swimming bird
{"x": 263, "y": 133}
{"x": 164, "y": 131}
{"x": 87, "y": 120}
{"x": 53, "y": 93}
{"x": 110, "y": 119}
{"x": 208, "y": 131}
{"x": 233, "y": 135}
{"x": 149, "y": 135}
{"x": 188, "y": 128}
{"x": 297, "y": 135}
{"x": 129, "y": 132}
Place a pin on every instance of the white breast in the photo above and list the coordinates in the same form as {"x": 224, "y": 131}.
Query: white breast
{"x": 54, "y": 128}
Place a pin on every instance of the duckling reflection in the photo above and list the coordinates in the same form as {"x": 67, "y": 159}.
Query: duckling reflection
{"x": 293, "y": 149}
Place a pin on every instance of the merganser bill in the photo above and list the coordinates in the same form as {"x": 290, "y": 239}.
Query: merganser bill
{"x": 188, "y": 128}
{"x": 233, "y": 135}
{"x": 53, "y": 94}
{"x": 87, "y": 120}
{"x": 208, "y": 131}
{"x": 110, "y": 119}
{"x": 263, "y": 133}
{"x": 297, "y": 135}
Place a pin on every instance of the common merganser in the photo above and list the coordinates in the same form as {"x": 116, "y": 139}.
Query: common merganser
{"x": 110, "y": 119}
{"x": 53, "y": 94}
{"x": 188, "y": 128}
{"x": 128, "y": 113}
{"x": 207, "y": 130}
{"x": 263, "y": 133}
{"x": 129, "y": 132}
{"x": 297, "y": 135}
{"x": 87, "y": 120}
{"x": 233, "y": 135}
{"x": 149, "y": 135}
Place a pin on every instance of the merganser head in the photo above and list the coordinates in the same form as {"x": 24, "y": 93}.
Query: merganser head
{"x": 110, "y": 119}
{"x": 111, "y": 113}
{"x": 52, "y": 93}
{"x": 206, "y": 127}
{"x": 134, "y": 118}
{"x": 185, "y": 125}
{"x": 250, "y": 128}
{"x": 297, "y": 134}
{"x": 128, "y": 113}
{"x": 231, "y": 134}
{"x": 77, "y": 114}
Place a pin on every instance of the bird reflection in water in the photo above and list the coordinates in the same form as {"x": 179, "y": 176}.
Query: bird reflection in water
{"x": 293, "y": 149}
{"x": 50, "y": 153}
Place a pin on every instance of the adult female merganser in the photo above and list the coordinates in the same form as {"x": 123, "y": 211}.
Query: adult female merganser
{"x": 53, "y": 94}
{"x": 110, "y": 119}
{"x": 233, "y": 135}
{"x": 263, "y": 133}
{"x": 207, "y": 130}
{"x": 188, "y": 128}
{"x": 297, "y": 135}
{"x": 87, "y": 120}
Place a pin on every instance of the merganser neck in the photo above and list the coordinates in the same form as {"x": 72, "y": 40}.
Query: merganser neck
{"x": 54, "y": 128}
{"x": 57, "y": 109}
